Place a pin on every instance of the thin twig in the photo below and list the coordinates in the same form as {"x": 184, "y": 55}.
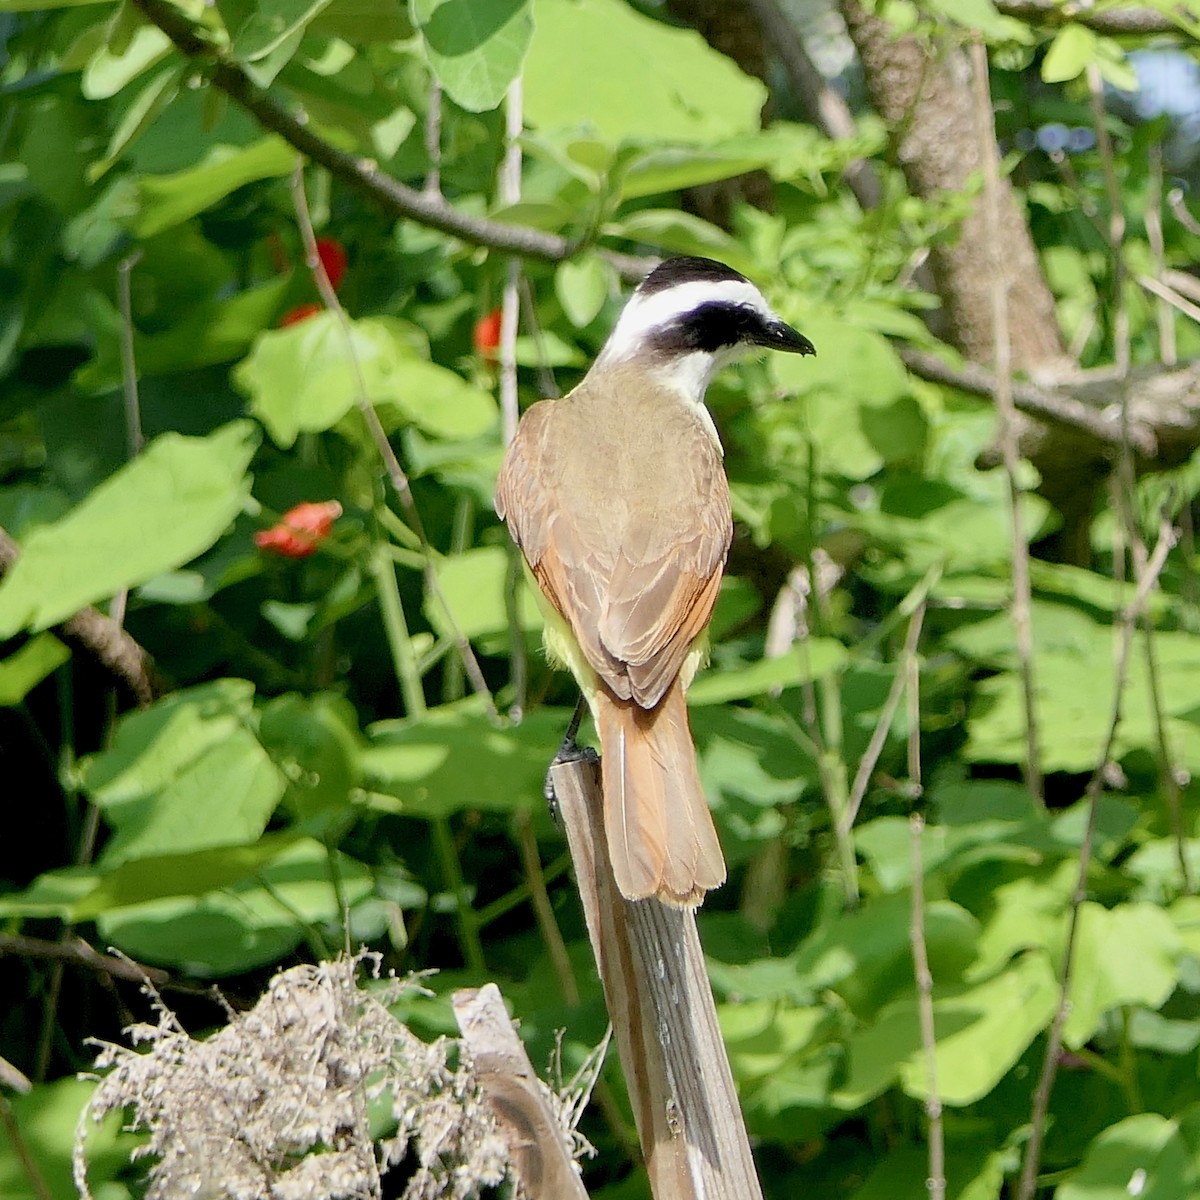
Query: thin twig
{"x": 129, "y": 379}
{"x": 76, "y": 951}
{"x": 1167, "y": 539}
{"x": 33, "y": 1172}
{"x": 936, "y": 1183}
{"x": 433, "y": 139}
{"x": 396, "y": 473}
{"x": 1022, "y": 600}
{"x": 1115, "y": 22}
{"x": 1167, "y": 351}
{"x": 1115, "y": 230}
{"x": 1178, "y": 205}
{"x": 1054, "y": 1040}
{"x": 887, "y": 715}
{"x": 14, "y": 1080}
{"x": 547, "y": 385}
{"x": 552, "y": 936}
{"x": 364, "y": 174}
{"x": 510, "y": 309}
{"x": 510, "y": 314}
{"x": 1167, "y": 295}
{"x": 456, "y": 884}
{"x": 1065, "y": 412}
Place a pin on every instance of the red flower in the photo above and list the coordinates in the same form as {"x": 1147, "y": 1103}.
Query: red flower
{"x": 487, "y": 335}
{"x": 301, "y": 529}
{"x": 301, "y": 312}
{"x": 332, "y": 254}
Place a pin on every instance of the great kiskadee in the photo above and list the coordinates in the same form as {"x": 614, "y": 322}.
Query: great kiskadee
{"x": 617, "y": 497}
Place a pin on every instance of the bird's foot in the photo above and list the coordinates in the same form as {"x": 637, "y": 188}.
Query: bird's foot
{"x": 568, "y": 751}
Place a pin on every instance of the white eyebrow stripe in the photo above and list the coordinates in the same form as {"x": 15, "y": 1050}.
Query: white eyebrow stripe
{"x": 645, "y": 313}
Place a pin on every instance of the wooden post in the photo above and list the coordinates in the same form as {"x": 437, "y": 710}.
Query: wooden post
{"x": 537, "y": 1144}
{"x": 662, "y": 1009}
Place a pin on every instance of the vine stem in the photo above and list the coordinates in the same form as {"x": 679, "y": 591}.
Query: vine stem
{"x": 1045, "y": 1085}
{"x": 396, "y": 473}
{"x": 924, "y": 980}
{"x": 1022, "y": 600}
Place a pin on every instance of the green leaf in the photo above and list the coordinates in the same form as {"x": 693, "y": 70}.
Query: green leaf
{"x": 223, "y": 797}
{"x": 168, "y": 200}
{"x": 314, "y": 742}
{"x": 473, "y": 584}
{"x": 475, "y": 47}
{"x": 151, "y": 747}
{"x": 436, "y": 766}
{"x": 437, "y": 400}
{"x": 682, "y": 233}
{"x": 163, "y": 509}
{"x": 604, "y": 66}
{"x": 582, "y": 285}
{"x": 252, "y": 923}
{"x": 270, "y": 24}
{"x": 302, "y": 379}
{"x": 815, "y": 658}
{"x": 674, "y": 168}
{"x": 1142, "y": 1156}
{"x": 761, "y": 1035}
{"x": 1074, "y": 683}
{"x": 851, "y": 362}
{"x": 974, "y": 1171}
{"x": 1073, "y": 48}
{"x": 26, "y": 668}
{"x": 141, "y": 113}
{"x": 108, "y": 71}
{"x": 981, "y": 1031}
{"x": 1124, "y": 955}
{"x": 48, "y": 1119}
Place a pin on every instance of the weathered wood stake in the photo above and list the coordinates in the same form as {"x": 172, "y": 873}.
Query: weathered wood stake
{"x": 662, "y": 1009}
{"x": 537, "y": 1143}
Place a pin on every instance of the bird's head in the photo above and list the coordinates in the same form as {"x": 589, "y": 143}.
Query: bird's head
{"x": 689, "y": 317}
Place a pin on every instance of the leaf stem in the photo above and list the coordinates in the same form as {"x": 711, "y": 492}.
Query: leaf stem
{"x": 404, "y": 660}
{"x": 467, "y": 918}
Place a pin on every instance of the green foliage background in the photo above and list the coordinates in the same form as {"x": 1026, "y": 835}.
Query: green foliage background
{"x": 319, "y": 748}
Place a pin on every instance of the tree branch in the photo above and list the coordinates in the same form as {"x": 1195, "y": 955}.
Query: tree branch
{"x": 75, "y": 950}
{"x": 1114, "y": 21}
{"x": 1063, "y": 411}
{"x": 361, "y": 173}
{"x": 101, "y": 637}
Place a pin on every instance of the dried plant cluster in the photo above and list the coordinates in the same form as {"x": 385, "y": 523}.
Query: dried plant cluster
{"x": 275, "y": 1105}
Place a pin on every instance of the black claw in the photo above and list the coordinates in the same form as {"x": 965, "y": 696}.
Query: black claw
{"x": 568, "y": 751}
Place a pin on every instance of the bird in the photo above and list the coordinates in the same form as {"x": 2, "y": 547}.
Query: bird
{"x": 617, "y": 497}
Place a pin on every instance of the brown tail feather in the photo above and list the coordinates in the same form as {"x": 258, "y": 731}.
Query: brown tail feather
{"x": 661, "y": 838}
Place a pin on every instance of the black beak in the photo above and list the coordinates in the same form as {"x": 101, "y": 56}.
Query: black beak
{"x": 779, "y": 335}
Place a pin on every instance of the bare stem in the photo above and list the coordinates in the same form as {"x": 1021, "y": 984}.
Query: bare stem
{"x": 433, "y": 139}
{"x": 37, "y": 1181}
{"x": 1054, "y": 1039}
{"x": 887, "y": 714}
{"x": 924, "y": 977}
{"x": 468, "y": 920}
{"x": 396, "y": 473}
{"x": 1154, "y": 235}
{"x": 1022, "y": 602}
{"x": 531, "y": 863}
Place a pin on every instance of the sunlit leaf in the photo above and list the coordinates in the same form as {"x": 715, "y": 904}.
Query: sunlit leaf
{"x": 643, "y": 78}
{"x": 475, "y": 47}
{"x": 167, "y": 506}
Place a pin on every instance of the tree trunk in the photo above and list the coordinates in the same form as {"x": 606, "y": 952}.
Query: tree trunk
{"x": 923, "y": 93}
